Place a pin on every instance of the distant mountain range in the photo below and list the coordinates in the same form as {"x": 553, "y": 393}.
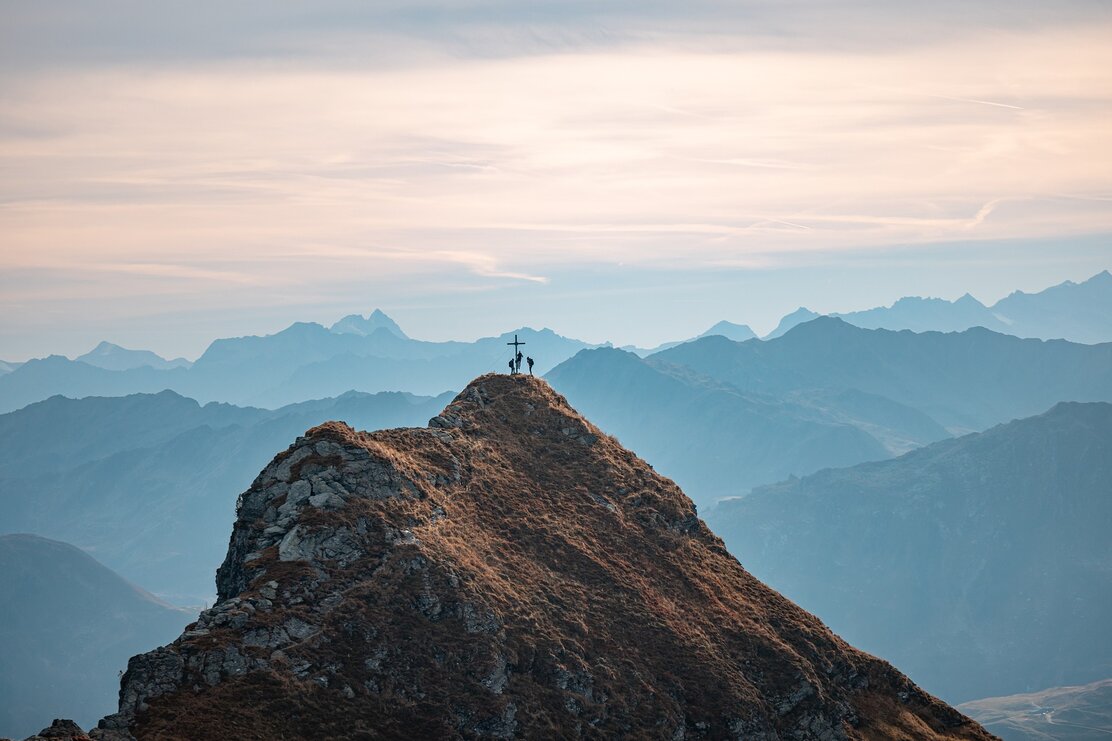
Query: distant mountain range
{"x": 304, "y": 361}
{"x": 68, "y": 625}
{"x": 368, "y": 325}
{"x": 115, "y": 358}
{"x": 372, "y": 353}
{"x": 965, "y": 381}
{"x": 721, "y": 417}
{"x": 980, "y": 565}
{"x": 148, "y": 482}
{"x": 719, "y": 441}
{"x": 729, "y": 330}
{"x": 792, "y": 320}
{"x": 138, "y": 480}
{"x": 1079, "y": 312}
{"x": 1081, "y": 713}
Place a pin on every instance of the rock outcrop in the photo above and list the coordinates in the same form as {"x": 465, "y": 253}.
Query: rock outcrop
{"x": 510, "y": 571}
{"x": 61, "y": 729}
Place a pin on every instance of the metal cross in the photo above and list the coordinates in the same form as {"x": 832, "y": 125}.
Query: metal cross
{"x": 515, "y": 343}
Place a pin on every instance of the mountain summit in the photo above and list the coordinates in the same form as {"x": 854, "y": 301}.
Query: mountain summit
{"x": 364, "y": 326}
{"x": 509, "y": 571}
{"x": 116, "y": 358}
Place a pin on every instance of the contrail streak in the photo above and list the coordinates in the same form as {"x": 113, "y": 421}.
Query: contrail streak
{"x": 982, "y": 102}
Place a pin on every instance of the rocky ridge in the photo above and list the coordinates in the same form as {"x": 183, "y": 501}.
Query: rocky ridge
{"x": 510, "y": 571}
{"x": 62, "y": 729}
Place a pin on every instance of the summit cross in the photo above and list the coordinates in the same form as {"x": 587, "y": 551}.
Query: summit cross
{"x": 515, "y": 361}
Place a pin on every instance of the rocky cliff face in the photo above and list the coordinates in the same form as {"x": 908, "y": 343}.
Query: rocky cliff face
{"x": 509, "y": 571}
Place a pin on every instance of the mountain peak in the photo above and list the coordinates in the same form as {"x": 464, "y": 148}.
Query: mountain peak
{"x": 968, "y": 299}
{"x": 799, "y": 316}
{"x": 495, "y": 400}
{"x": 365, "y": 326}
{"x": 822, "y": 323}
{"x": 730, "y": 330}
{"x": 508, "y": 571}
{"x": 803, "y": 311}
{"x": 110, "y": 356}
{"x": 104, "y": 347}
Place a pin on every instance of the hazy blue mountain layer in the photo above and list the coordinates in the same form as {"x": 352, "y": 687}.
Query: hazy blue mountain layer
{"x": 731, "y": 331}
{"x": 68, "y": 625}
{"x": 1079, "y": 312}
{"x": 113, "y": 357}
{"x": 304, "y": 361}
{"x": 980, "y": 565}
{"x": 794, "y": 319}
{"x": 8, "y": 367}
{"x": 148, "y": 482}
{"x": 721, "y": 417}
{"x": 928, "y": 315}
{"x": 372, "y": 353}
{"x": 716, "y": 441}
{"x": 42, "y": 378}
{"x": 965, "y": 381}
{"x": 356, "y": 324}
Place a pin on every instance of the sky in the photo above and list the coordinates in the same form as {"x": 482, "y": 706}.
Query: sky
{"x": 175, "y": 172}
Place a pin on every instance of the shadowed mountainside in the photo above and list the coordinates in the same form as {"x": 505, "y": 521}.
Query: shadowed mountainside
{"x": 509, "y": 570}
{"x": 980, "y": 565}
{"x": 68, "y": 625}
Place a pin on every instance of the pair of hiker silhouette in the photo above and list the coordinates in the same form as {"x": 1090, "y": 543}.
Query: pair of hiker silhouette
{"x": 515, "y": 364}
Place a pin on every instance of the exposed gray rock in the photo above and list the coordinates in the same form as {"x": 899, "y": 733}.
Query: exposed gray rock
{"x": 283, "y": 470}
{"x": 148, "y": 676}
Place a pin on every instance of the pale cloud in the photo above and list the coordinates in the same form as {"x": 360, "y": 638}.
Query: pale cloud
{"x": 562, "y": 140}
{"x": 679, "y": 151}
